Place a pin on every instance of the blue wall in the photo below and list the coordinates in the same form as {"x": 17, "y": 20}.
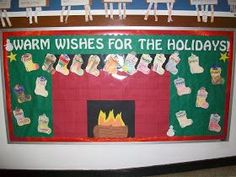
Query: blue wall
{"x": 136, "y": 4}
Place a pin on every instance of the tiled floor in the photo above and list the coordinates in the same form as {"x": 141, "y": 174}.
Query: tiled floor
{"x": 214, "y": 172}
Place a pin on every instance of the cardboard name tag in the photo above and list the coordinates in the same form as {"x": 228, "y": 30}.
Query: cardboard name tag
{"x": 32, "y": 3}
{"x": 200, "y": 2}
{"x": 121, "y": 8}
{"x": 153, "y": 3}
{"x": 5, "y": 4}
{"x": 117, "y": 1}
{"x": 74, "y": 2}
{"x": 160, "y": 1}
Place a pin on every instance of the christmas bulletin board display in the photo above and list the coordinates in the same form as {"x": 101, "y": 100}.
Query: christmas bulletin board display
{"x": 117, "y": 85}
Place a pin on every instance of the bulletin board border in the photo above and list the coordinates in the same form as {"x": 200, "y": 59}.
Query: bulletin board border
{"x": 150, "y": 30}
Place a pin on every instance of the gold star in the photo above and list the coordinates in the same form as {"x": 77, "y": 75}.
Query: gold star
{"x": 224, "y": 56}
{"x": 12, "y": 57}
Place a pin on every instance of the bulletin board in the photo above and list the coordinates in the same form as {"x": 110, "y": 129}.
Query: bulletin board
{"x": 73, "y": 85}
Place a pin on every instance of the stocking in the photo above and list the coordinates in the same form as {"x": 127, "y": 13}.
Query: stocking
{"x": 41, "y": 83}
{"x": 130, "y": 62}
{"x": 183, "y": 120}
{"x": 181, "y": 88}
{"x": 43, "y": 124}
{"x": 172, "y": 63}
{"x": 201, "y": 98}
{"x": 145, "y": 60}
{"x": 28, "y": 62}
{"x": 62, "y": 64}
{"x": 195, "y": 68}
{"x": 159, "y": 60}
{"x": 214, "y": 123}
{"x": 76, "y": 65}
{"x": 111, "y": 64}
{"x": 20, "y": 118}
{"x": 92, "y": 65}
{"x": 49, "y": 61}
{"x": 20, "y": 93}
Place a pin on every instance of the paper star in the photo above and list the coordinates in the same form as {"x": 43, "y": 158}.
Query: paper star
{"x": 224, "y": 57}
{"x": 12, "y": 57}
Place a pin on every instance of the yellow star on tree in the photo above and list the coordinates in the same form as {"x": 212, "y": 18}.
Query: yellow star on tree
{"x": 224, "y": 57}
{"x": 12, "y": 57}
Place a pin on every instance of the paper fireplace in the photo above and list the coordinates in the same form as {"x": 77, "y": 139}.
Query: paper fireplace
{"x": 110, "y": 119}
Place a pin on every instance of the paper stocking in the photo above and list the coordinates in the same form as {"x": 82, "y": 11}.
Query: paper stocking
{"x": 43, "y": 124}
{"x": 183, "y": 120}
{"x": 159, "y": 60}
{"x": 28, "y": 62}
{"x": 92, "y": 65}
{"x": 20, "y": 118}
{"x": 20, "y": 93}
{"x": 49, "y": 61}
{"x": 111, "y": 64}
{"x": 181, "y": 88}
{"x": 76, "y": 65}
{"x": 214, "y": 123}
{"x": 216, "y": 78}
{"x": 172, "y": 63}
{"x": 62, "y": 64}
{"x": 130, "y": 62}
{"x": 145, "y": 60}
{"x": 40, "y": 89}
{"x": 195, "y": 68}
{"x": 201, "y": 98}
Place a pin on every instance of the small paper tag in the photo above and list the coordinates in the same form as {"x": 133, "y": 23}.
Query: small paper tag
{"x": 232, "y": 2}
{"x": 202, "y": 2}
{"x": 5, "y": 4}
{"x": 74, "y": 2}
{"x": 160, "y": 1}
{"x": 107, "y": 1}
{"x": 32, "y": 3}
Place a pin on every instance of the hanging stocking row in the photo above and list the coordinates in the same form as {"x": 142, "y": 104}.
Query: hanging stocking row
{"x": 202, "y": 9}
{"x": 66, "y": 8}
{"x": 232, "y": 4}
{"x": 4, "y": 5}
{"x": 154, "y": 4}
{"x": 108, "y": 5}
